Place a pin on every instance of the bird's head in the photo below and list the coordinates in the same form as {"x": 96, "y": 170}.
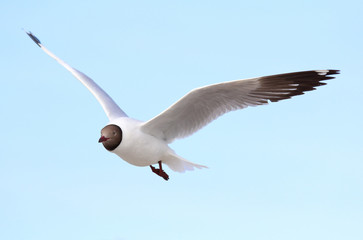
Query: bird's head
{"x": 111, "y": 137}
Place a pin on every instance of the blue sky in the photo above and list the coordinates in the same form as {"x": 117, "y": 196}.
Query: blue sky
{"x": 289, "y": 170}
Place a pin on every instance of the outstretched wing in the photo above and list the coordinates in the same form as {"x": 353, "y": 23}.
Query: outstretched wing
{"x": 202, "y": 105}
{"x": 111, "y": 109}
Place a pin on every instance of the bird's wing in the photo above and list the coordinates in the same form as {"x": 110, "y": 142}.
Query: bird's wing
{"x": 202, "y": 105}
{"x": 111, "y": 109}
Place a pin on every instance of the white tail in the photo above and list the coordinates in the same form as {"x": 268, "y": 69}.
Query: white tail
{"x": 179, "y": 164}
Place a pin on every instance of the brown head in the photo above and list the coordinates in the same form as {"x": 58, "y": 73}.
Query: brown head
{"x": 111, "y": 137}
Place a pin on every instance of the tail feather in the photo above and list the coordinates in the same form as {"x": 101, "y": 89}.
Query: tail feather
{"x": 179, "y": 164}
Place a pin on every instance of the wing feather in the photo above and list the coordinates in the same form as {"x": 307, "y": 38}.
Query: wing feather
{"x": 111, "y": 109}
{"x": 202, "y": 105}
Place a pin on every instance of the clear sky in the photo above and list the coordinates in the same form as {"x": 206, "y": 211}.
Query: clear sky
{"x": 289, "y": 170}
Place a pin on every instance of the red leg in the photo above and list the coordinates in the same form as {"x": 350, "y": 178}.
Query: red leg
{"x": 160, "y": 172}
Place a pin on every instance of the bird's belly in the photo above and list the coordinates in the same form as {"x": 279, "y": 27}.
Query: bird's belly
{"x": 142, "y": 150}
{"x": 139, "y": 157}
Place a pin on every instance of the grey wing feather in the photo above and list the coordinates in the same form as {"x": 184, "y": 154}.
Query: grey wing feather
{"x": 202, "y": 105}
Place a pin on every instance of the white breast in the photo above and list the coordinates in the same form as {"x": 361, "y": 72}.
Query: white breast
{"x": 137, "y": 147}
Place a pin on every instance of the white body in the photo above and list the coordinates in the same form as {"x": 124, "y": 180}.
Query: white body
{"x": 137, "y": 147}
{"x": 141, "y": 149}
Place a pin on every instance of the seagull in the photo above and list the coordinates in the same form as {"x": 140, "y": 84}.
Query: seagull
{"x": 146, "y": 143}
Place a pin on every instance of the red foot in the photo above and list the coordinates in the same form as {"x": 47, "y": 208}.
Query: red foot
{"x": 160, "y": 172}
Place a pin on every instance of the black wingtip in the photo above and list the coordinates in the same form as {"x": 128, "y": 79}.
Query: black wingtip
{"x": 34, "y": 38}
{"x": 331, "y": 71}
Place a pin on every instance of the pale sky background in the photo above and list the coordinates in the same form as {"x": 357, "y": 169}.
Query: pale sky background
{"x": 289, "y": 170}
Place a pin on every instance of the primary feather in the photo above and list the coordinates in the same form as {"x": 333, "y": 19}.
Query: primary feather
{"x": 202, "y": 105}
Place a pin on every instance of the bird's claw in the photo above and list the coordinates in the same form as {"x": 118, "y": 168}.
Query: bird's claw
{"x": 160, "y": 172}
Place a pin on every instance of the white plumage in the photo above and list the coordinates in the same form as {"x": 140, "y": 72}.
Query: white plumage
{"x": 146, "y": 143}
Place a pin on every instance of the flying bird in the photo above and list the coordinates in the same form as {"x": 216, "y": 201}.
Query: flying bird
{"x": 146, "y": 143}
